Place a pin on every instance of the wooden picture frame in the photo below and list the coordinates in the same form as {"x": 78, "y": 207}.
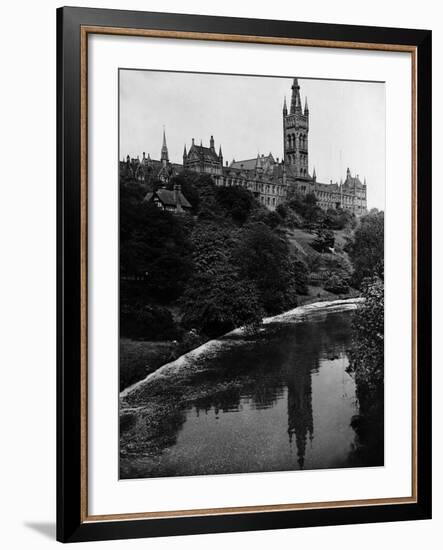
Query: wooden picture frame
{"x": 74, "y": 523}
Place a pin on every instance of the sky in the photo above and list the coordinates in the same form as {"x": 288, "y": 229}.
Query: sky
{"x": 244, "y": 114}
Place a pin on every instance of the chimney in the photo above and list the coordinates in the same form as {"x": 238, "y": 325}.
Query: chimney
{"x": 177, "y": 193}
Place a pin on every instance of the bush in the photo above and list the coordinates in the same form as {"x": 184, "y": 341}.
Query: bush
{"x": 218, "y": 302}
{"x": 236, "y": 202}
{"x": 324, "y": 240}
{"x": 336, "y": 285}
{"x": 337, "y": 218}
{"x": 366, "y": 249}
{"x": 282, "y": 211}
{"x": 367, "y": 357}
{"x": 148, "y": 322}
{"x": 263, "y": 258}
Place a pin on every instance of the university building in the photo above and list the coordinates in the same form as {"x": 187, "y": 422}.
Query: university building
{"x": 272, "y": 181}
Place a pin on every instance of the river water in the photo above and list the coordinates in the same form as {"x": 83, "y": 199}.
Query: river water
{"x": 279, "y": 400}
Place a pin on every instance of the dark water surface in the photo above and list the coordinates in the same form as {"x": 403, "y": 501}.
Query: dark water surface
{"x": 279, "y": 401}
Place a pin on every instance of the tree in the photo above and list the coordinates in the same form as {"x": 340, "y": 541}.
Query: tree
{"x": 263, "y": 257}
{"x": 366, "y": 249}
{"x": 337, "y": 285}
{"x": 367, "y": 365}
{"x": 200, "y": 191}
{"x": 307, "y": 207}
{"x": 215, "y": 303}
{"x": 324, "y": 240}
{"x": 217, "y": 299}
{"x": 367, "y": 357}
{"x": 154, "y": 248}
{"x": 213, "y": 242}
{"x": 236, "y": 202}
{"x": 338, "y": 218}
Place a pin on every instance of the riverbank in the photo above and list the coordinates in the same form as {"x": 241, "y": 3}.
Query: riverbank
{"x": 188, "y": 360}
{"x": 238, "y": 376}
{"x": 139, "y": 358}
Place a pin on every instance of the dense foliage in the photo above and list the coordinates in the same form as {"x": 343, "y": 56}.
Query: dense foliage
{"x": 336, "y": 284}
{"x": 215, "y": 303}
{"x": 264, "y": 258}
{"x": 366, "y": 249}
{"x": 154, "y": 246}
{"x": 368, "y": 353}
{"x": 324, "y": 241}
{"x": 226, "y": 266}
{"x": 147, "y": 321}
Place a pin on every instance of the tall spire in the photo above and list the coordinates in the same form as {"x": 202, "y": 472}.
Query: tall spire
{"x": 285, "y": 107}
{"x": 220, "y": 155}
{"x": 164, "y": 157}
{"x": 295, "y": 100}
{"x": 306, "y": 106}
{"x": 314, "y": 175}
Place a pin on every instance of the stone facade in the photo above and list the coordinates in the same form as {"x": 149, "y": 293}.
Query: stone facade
{"x": 271, "y": 181}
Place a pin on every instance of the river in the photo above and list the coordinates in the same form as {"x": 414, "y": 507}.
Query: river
{"x": 278, "y": 400}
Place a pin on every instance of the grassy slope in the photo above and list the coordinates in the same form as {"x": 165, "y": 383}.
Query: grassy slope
{"x": 302, "y": 240}
{"x": 140, "y": 358}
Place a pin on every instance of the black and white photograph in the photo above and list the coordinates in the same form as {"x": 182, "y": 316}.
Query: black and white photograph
{"x": 251, "y": 273}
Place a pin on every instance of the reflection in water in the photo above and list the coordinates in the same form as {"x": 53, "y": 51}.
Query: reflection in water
{"x": 300, "y": 422}
{"x": 281, "y": 400}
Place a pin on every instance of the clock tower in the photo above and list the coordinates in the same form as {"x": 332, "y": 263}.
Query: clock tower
{"x": 295, "y": 135}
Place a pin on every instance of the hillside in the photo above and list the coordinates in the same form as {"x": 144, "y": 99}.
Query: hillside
{"x": 229, "y": 263}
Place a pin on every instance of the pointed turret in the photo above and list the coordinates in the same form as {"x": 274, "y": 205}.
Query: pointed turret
{"x": 185, "y": 156}
{"x": 212, "y": 144}
{"x": 306, "y": 112}
{"x": 220, "y": 155}
{"x": 285, "y": 108}
{"x": 295, "y": 100}
{"x": 259, "y": 163}
{"x": 164, "y": 157}
{"x": 314, "y": 175}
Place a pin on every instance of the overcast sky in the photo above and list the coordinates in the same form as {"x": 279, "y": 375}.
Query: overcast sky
{"x": 244, "y": 114}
